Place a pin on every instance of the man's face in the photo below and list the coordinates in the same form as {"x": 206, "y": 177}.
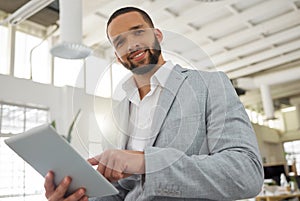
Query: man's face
{"x": 135, "y": 42}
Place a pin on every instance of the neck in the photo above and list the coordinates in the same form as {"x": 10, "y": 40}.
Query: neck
{"x": 143, "y": 81}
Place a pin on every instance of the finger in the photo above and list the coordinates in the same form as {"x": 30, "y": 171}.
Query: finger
{"x": 101, "y": 168}
{"x": 108, "y": 173}
{"x": 95, "y": 160}
{"x": 84, "y": 198}
{"x": 113, "y": 175}
{"x": 124, "y": 175}
{"x": 117, "y": 171}
{"x": 49, "y": 184}
{"x": 62, "y": 188}
{"x": 116, "y": 164}
{"x": 102, "y": 164}
{"x": 116, "y": 176}
{"x": 78, "y": 195}
{"x": 109, "y": 167}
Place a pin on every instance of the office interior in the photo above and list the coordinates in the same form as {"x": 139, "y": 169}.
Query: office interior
{"x": 255, "y": 42}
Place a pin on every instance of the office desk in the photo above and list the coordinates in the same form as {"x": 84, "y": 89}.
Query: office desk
{"x": 277, "y": 197}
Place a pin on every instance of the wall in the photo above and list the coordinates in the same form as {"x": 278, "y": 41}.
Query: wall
{"x": 291, "y": 120}
{"x": 63, "y": 104}
{"x": 270, "y": 145}
{"x": 270, "y": 141}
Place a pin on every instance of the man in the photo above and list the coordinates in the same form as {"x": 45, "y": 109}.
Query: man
{"x": 183, "y": 134}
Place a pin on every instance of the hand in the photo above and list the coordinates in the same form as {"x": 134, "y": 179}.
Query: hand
{"x": 58, "y": 193}
{"x": 117, "y": 164}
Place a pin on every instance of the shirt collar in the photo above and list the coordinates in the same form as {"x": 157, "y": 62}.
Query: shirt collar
{"x": 162, "y": 74}
{"x": 130, "y": 88}
{"x": 159, "y": 78}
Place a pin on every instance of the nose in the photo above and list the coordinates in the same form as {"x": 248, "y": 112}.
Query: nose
{"x": 133, "y": 44}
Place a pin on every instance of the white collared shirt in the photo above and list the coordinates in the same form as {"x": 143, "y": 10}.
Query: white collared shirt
{"x": 141, "y": 112}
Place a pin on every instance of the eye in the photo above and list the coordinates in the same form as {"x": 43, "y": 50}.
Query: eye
{"x": 119, "y": 43}
{"x": 139, "y": 32}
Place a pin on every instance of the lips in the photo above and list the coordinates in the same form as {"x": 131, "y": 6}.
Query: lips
{"x": 138, "y": 55}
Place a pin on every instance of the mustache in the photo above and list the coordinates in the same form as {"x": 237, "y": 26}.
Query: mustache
{"x": 138, "y": 49}
{"x": 155, "y": 47}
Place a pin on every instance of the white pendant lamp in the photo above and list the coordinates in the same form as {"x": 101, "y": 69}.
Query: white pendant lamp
{"x": 70, "y": 45}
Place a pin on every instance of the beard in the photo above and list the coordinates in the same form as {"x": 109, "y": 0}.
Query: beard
{"x": 153, "y": 60}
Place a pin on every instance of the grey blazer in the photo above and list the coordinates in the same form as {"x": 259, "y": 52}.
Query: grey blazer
{"x": 204, "y": 146}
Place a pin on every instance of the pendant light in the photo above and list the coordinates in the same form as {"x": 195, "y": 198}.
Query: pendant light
{"x": 70, "y": 45}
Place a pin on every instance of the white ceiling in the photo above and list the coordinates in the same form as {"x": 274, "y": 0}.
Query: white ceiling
{"x": 243, "y": 38}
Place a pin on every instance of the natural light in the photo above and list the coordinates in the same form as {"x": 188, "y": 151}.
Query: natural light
{"x": 17, "y": 177}
{"x": 68, "y": 72}
{"x": 98, "y": 77}
{"x": 40, "y": 63}
{"x": 3, "y": 50}
{"x": 24, "y": 44}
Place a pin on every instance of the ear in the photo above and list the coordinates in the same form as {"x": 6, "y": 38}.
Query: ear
{"x": 158, "y": 35}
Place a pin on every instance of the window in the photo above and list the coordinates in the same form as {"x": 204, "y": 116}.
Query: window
{"x": 40, "y": 64}
{"x": 68, "y": 72}
{"x": 259, "y": 118}
{"x": 3, "y": 50}
{"x": 292, "y": 150}
{"x": 38, "y": 68}
{"x": 17, "y": 178}
{"x": 24, "y": 43}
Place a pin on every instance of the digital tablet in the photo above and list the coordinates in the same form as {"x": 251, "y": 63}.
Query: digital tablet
{"x": 44, "y": 149}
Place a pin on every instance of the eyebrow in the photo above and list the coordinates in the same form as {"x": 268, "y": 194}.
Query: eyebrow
{"x": 130, "y": 29}
{"x": 136, "y": 27}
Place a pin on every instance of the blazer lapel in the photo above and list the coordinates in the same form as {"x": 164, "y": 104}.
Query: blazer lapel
{"x": 166, "y": 99}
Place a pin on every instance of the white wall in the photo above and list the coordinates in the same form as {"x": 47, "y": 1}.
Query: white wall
{"x": 291, "y": 120}
{"x": 270, "y": 145}
{"x": 63, "y": 104}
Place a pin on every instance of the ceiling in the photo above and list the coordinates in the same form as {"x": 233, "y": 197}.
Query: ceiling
{"x": 46, "y": 17}
{"x": 254, "y": 42}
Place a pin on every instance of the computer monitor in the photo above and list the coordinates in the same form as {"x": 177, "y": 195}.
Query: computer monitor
{"x": 274, "y": 172}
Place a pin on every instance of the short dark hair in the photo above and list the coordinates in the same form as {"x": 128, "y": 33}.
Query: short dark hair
{"x": 128, "y": 10}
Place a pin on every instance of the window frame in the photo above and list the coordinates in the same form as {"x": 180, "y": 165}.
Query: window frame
{"x": 23, "y": 191}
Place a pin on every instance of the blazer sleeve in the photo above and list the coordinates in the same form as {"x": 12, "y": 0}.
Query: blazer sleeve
{"x": 232, "y": 169}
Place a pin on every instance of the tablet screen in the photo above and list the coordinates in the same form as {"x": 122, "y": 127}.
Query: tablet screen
{"x": 44, "y": 149}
